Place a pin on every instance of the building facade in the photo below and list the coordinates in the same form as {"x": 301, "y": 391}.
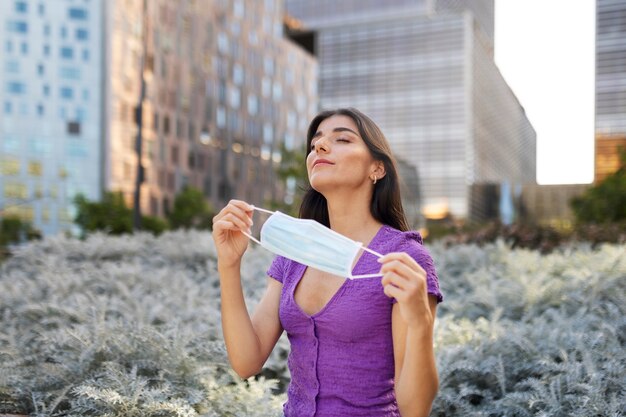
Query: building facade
{"x": 424, "y": 71}
{"x": 224, "y": 91}
{"x": 51, "y": 124}
{"x": 610, "y": 86}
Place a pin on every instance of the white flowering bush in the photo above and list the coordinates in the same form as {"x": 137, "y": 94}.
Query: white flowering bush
{"x": 130, "y": 326}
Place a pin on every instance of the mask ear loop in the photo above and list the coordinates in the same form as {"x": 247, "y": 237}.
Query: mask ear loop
{"x": 254, "y": 239}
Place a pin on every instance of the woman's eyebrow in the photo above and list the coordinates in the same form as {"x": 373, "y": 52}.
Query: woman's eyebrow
{"x": 337, "y": 129}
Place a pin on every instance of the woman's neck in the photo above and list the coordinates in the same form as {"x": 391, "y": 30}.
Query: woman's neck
{"x": 351, "y": 216}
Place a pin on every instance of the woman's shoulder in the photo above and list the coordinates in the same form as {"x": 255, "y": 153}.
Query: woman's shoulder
{"x": 395, "y": 240}
{"x": 282, "y": 268}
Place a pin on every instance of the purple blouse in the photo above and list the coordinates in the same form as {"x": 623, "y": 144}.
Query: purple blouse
{"x": 341, "y": 359}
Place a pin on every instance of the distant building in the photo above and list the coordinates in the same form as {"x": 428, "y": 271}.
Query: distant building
{"x": 610, "y": 86}
{"x": 51, "y": 94}
{"x": 424, "y": 71}
{"x": 549, "y": 205}
{"x": 225, "y": 90}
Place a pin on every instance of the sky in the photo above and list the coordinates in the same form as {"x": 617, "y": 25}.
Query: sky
{"x": 545, "y": 49}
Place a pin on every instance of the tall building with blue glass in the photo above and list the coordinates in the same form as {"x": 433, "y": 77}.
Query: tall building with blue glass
{"x": 50, "y": 95}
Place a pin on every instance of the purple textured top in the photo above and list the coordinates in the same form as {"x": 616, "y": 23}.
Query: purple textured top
{"x": 341, "y": 359}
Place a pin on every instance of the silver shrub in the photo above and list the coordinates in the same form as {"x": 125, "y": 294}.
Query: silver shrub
{"x": 130, "y": 326}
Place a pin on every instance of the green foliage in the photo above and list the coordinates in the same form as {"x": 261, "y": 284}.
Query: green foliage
{"x": 606, "y": 201}
{"x": 191, "y": 210}
{"x": 154, "y": 224}
{"x": 292, "y": 165}
{"x": 112, "y": 216}
{"x": 14, "y": 230}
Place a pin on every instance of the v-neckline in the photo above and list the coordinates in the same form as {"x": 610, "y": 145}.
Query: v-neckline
{"x": 343, "y": 286}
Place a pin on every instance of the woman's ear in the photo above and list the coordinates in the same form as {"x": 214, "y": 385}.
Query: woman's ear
{"x": 379, "y": 169}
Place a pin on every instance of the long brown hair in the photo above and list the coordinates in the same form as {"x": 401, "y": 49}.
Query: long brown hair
{"x": 386, "y": 204}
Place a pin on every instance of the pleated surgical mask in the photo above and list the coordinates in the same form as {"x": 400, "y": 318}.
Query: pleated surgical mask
{"x": 311, "y": 243}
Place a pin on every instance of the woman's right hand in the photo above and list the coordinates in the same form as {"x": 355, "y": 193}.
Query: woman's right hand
{"x": 227, "y": 227}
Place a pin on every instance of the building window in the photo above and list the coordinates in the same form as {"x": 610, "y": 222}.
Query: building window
{"x": 40, "y": 69}
{"x": 35, "y": 168}
{"x": 8, "y": 107}
{"x": 17, "y": 27}
{"x": 67, "y": 93}
{"x": 46, "y": 50}
{"x": 9, "y": 46}
{"x": 46, "y": 90}
{"x": 12, "y": 67}
{"x": 86, "y": 95}
{"x": 73, "y": 128}
{"x": 40, "y": 109}
{"x": 237, "y": 74}
{"x": 42, "y": 9}
{"x": 82, "y": 34}
{"x": 67, "y": 53}
{"x": 24, "y": 48}
{"x": 16, "y": 88}
{"x": 63, "y": 32}
{"x": 78, "y": 14}
{"x": 46, "y": 30}
{"x": 21, "y": 7}
{"x": 85, "y": 55}
{"x": 69, "y": 73}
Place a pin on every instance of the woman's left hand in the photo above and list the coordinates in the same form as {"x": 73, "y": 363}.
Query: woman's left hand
{"x": 405, "y": 280}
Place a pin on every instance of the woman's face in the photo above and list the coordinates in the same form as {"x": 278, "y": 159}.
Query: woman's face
{"x": 338, "y": 157}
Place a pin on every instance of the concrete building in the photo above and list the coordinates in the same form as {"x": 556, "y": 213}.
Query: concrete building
{"x": 224, "y": 90}
{"x": 51, "y": 121}
{"x": 424, "y": 71}
{"x": 610, "y": 86}
{"x": 549, "y": 205}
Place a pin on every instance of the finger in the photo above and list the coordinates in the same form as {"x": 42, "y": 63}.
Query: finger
{"x": 241, "y": 205}
{"x": 398, "y": 267}
{"x": 238, "y": 223}
{"x": 393, "y": 292}
{"x": 234, "y": 210}
{"x": 391, "y": 278}
{"x": 402, "y": 257}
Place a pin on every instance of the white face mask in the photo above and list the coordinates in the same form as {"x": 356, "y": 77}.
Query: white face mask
{"x": 310, "y": 243}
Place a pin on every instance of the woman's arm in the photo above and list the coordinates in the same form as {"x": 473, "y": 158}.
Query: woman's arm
{"x": 413, "y": 316}
{"x": 249, "y": 341}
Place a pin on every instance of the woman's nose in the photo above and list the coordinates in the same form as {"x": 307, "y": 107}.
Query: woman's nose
{"x": 321, "y": 145}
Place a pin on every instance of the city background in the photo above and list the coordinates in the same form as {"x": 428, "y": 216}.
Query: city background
{"x": 126, "y": 124}
{"x": 227, "y": 89}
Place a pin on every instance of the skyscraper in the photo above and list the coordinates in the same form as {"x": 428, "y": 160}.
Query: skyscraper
{"x": 224, "y": 91}
{"x": 610, "y": 85}
{"x": 424, "y": 71}
{"x": 50, "y": 124}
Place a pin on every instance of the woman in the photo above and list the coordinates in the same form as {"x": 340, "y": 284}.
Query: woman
{"x": 359, "y": 347}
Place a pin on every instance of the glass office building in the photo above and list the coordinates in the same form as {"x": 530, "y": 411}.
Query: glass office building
{"x": 225, "y": 90}
{"x": 424, "y": 71}
{"x": 610, "y": 85}
{"x": 50, "y": 126}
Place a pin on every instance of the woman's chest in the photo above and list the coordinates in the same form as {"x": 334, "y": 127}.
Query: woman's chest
{"x": 344, "y": 310}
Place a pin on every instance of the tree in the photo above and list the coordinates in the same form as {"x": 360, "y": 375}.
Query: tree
{"x": 191, "y": 210}
{"x": 292, "y": 168}
{"x": 606, "y": 201}
{"x": 112, "y": 216}
{"x": 14, "y": 230}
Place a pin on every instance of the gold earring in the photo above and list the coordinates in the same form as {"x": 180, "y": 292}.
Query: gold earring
{"x": 374, "y": 180}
